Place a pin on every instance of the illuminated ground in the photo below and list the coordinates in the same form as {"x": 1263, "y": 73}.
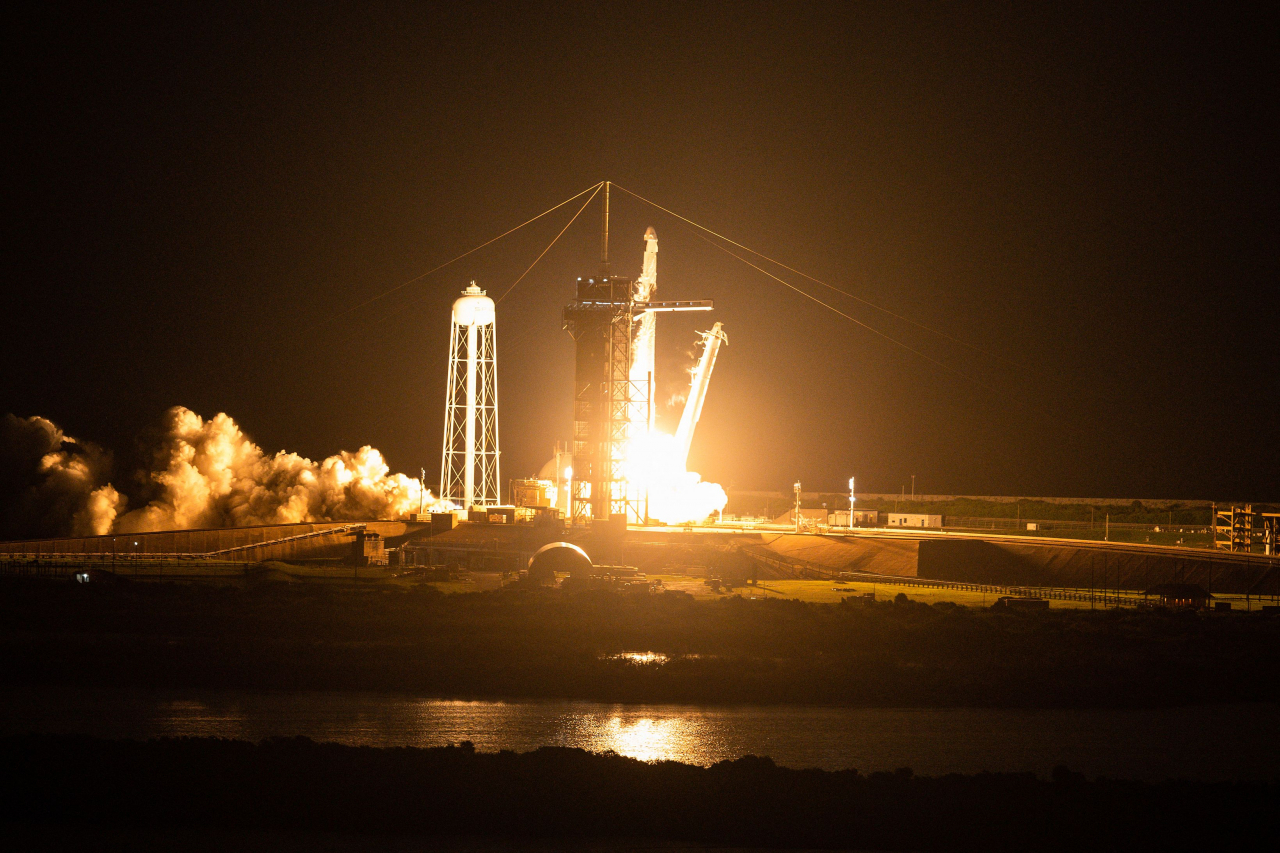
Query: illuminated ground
{"x": 815, "y": 591}
{"x": 831, "y": 592}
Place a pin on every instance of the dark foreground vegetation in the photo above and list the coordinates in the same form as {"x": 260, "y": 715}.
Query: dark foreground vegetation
{"x": 298, "y": 786}
{"x": 557, "y": 644}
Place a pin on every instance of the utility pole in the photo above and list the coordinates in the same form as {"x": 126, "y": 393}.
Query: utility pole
{"x": 913, "y": 487}
{"x": 797, "y": 509}
{"x": 1107, "y": 534}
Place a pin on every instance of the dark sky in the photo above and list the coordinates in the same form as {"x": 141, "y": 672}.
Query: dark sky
{"x": 1086, "y": 196}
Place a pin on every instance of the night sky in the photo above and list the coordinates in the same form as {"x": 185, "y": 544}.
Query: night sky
{"x": 198, "y": 198}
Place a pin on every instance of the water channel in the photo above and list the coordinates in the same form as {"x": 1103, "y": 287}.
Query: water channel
{"x": 1202, "y": 742}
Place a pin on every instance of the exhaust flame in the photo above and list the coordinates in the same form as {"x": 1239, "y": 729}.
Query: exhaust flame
{"x": 655, "y": 465}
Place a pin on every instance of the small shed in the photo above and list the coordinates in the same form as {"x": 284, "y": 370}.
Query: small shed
{"x": 840, "y": 518}
{"x": 911, "y": 519}
{"x": 808, "y": 517}
{"x": 1188, "y": 595}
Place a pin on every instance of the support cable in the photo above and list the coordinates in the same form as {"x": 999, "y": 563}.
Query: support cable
{"x": 871, "y": 329}
{"x": 811, "y": 278}
{"x": 593, "y": 189}
{"x": 552, "y": 243}
{"x": 420, "y": 299}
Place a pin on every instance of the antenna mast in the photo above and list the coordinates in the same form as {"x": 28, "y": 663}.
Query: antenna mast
{"x": 604, "y": 234}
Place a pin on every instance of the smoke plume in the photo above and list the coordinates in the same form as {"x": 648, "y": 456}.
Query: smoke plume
{"x": 202, "y": 474}
{"x": 52, "y": 484}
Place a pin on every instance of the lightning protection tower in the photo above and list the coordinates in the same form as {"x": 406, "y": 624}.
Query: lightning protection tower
{"x": 469, "y": 465}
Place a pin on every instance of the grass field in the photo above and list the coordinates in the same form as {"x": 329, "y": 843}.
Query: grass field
{"x": 816, "y": 591}
{"x": 831, "y": 592}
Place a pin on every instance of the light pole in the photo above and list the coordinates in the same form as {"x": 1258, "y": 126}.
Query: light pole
{"x": 852, "y": 499}
{"x": 913, "y": 487}
{"x": 797, "y": 511}
{"x": 568, "y": 484}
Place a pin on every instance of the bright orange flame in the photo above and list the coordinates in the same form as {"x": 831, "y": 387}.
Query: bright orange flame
{"x": 652, "y": 464}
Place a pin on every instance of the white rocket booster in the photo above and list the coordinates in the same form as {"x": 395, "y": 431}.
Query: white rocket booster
{"x": 698, "y": 390}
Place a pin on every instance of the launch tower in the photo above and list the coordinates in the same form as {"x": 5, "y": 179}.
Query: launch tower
{"x": 611, "y": 393}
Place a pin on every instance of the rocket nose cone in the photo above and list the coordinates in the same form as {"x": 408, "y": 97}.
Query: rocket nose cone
{"x": 650, "y": 234}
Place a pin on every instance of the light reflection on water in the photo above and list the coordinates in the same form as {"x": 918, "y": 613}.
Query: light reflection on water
{"x": 646, "y": 739}
{"x": 640, "y": 657}
{"x": 1214, "y": 742}
{"x": 649, "y": 737}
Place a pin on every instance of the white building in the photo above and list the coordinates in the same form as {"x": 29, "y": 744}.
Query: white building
{"x": 908, "y": 519}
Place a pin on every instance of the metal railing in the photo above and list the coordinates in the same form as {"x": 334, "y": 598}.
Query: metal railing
{"x": 1103, "y": 597}
{"x": 151, "y": 566}
{"x": 268, "y": 542}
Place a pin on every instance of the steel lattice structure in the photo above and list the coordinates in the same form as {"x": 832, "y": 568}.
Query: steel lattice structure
{"x": 611, "y": 399}
{"x": 608, "y": 406}
{"x": 469, "y": 461}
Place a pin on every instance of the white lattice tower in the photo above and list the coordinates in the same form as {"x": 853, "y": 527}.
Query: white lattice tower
{"x": 469, "y": 463}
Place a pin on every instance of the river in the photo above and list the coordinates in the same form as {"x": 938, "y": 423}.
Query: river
{"x": 1202, "y": 742}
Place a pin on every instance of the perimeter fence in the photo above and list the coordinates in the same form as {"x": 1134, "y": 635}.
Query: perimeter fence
{"x": 150, "y": 566}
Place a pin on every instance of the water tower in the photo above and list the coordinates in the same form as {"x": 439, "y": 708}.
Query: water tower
{"x": 469, "y": 466}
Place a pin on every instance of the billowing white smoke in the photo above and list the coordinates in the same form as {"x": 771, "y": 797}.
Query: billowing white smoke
{"x": 98, "y": 517}
{"x": 209, "y": 474}
{"x": 51, "y": 484}
{"x": 204, "y": 473}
